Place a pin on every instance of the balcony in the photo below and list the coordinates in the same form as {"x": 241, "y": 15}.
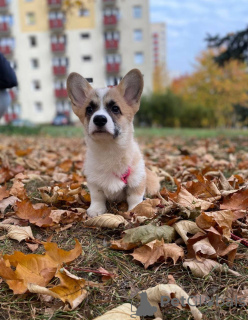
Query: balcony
{"x": 54, "y": 4}
{"x": 6, "y": 50}
{"x": 110, "y": 20}
{"x": 59, "y": 70}
{"x": 4, "y": 28}
{"x": 3, "y": 5}
{"x": 58, "y": 47}
{"x": 111, "y": 44}
{"x": 113, "y": 67}
{"x": 61, "y": 93}
{"x": 56, "y": 24}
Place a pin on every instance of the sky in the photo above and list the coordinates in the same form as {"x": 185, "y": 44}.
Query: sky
{"x": 189, "y": 21}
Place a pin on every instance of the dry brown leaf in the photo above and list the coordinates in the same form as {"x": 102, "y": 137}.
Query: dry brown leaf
{"x": 237, "y": 201}
{"x": 4, "y": 193}
{"x": 7, "y": 202}
{"x": 70, "y": 290}
{"x": 106, "y": 220}
{"x": 204, "y": 247}
{"x": 187, "y": 200}
{"x": 16, "y": 232}
{"x": 184, "y": 227}
{"x": 203, "y": 189}
{"x": 18, "y": 190}
{"x": 223, "y": 219}
{"x": 121, "y": 245}
{"x": 203, "y": 268}
{"x": 147, "y": 208}
{"x": 40, "y": 217}
{"x": 155, "y": 295}
{"x": 35, "y": 268}
{"x": 123, "y": 312}
{"x": 156, "y": 251}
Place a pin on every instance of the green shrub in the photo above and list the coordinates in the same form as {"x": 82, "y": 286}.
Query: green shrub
{"x": 169, "y": 110}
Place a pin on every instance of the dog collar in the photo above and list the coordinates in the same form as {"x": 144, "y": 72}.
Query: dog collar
{"x": 125, "y": 176}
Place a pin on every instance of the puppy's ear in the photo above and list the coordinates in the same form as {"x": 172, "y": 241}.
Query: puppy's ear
{"x": 131, "y": 87}
{"x": 78, "y": 89}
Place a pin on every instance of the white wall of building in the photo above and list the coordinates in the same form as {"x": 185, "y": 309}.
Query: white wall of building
{"x": 76, "y": 48}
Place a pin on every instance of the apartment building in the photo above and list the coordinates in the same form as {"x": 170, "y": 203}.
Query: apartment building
{"x": 102, "y": 40}
{"x": 160, "y": 73}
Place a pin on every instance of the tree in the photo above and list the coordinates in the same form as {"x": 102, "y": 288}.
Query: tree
{"x": 160, "y": 79}
{"x": 234, "y": 45}
{"x": 214, "y": 87}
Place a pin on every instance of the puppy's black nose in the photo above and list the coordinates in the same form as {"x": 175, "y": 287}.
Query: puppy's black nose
{"x": 100, "y": 120}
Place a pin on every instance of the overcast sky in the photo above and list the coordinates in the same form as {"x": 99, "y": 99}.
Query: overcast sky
{"x": 189, "y": 21}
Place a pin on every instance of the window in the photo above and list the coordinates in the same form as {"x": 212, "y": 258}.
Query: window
{"x": 83, "y": 13}
{"x": 87, "y": 58}
{"x": 35, "y": 63}
{"x": 38, "y": 106}
{"x": 90, "y": 80}
{"x": 32, "y": 41}
{"x": 36, "y": 85}
{"x": 30, "y": 18}
{"x": 85, "y": 35}
{"x": 139, "y": 58}
{"x": 137, "y": 12}
{"x": 138, "y": 35}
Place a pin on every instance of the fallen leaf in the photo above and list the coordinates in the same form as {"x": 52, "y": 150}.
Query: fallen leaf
{"x": 237, "y": 201}
{"x": 157, "y": 251}
{"x": 223, "y": 219}
{"x": 203, "y": 189}
{"x": 147, "y": 208}
{"x": 18, "y": 190}
{"x": 162, "y": 291}
{"x": 201, "y": 269}
{"x": 16, "y": 232}
{"x": 35, "y": 268}
{"x": 187, "y": 200}
{"x": 122, "y": 312}
{"x": 7, "y": 202}
{"x": 106, "y": 220}
{"x": 4, "y": 193}
{"x": 184, "y": 227}
{"x": 40, "y": 217}
{"x": 70, "y": 290}
{"x": 148, "y": 233}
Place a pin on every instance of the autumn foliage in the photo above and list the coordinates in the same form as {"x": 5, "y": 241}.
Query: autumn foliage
{"x": 188, "y": 227}
{"x": 215, "y": 88}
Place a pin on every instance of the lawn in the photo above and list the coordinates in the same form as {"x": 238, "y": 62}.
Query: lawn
{"x": 43, "y": 171}
{"x": 76, "y": 131}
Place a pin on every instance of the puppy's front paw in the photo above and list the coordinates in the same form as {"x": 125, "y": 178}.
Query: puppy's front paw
{"x": 95, "y": 211}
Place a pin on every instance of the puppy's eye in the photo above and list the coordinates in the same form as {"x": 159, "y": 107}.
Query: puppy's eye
{"x": 89, "y": 110}
{"x": 115, "y": 109}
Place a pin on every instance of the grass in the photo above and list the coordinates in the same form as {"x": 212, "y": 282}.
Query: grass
{"x": 131, "y": 278}
{"x": 77, "y": 131}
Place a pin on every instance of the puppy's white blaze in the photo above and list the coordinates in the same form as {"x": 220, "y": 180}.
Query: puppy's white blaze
{"x": 109, "y": 127}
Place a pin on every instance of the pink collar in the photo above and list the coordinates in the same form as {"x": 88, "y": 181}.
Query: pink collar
{"x": 125, "y": 175}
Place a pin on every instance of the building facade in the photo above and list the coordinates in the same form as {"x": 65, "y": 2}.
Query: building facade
{"x": 102, "y": 40}
{"x": 160, "y": 73}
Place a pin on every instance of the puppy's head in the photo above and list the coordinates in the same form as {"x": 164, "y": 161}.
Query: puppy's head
{"x": 106, "y": 113}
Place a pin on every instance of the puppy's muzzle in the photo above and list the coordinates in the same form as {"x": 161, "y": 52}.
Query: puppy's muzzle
{"x": 100, "y": 120}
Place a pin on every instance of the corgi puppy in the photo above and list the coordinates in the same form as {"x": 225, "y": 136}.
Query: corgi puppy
{"x": 114, "y": 167}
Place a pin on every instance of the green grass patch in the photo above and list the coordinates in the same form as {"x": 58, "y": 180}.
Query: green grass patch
{"x": 77, "y": 131}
